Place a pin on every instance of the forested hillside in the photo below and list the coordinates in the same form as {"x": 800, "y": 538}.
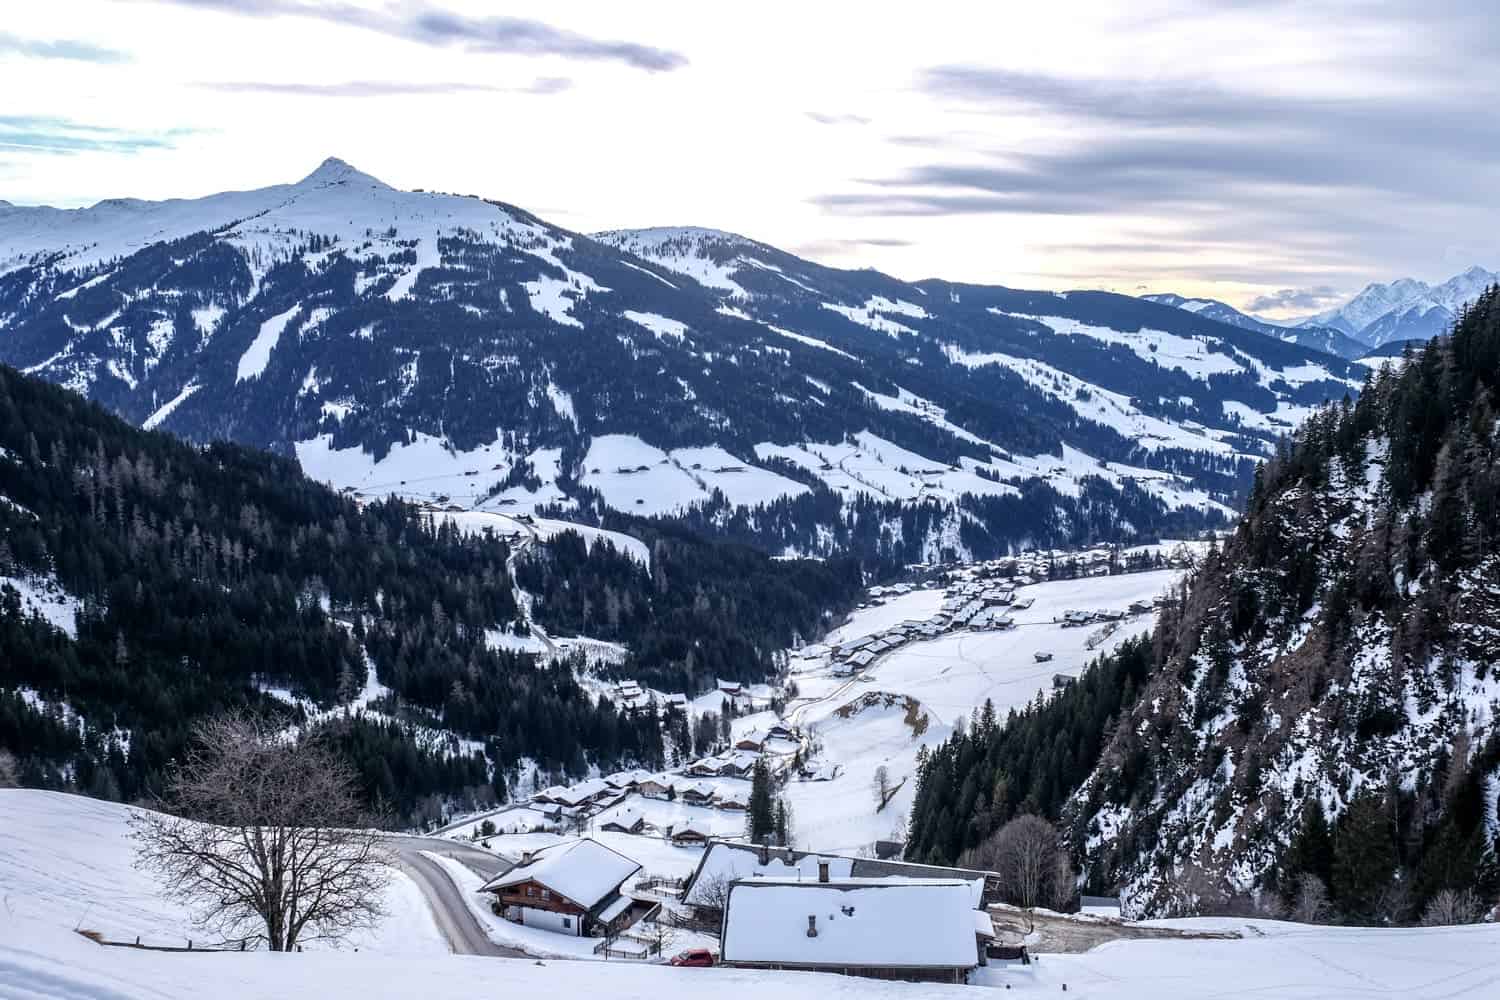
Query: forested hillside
{"x": 183, "y": 581}
{"x": 1316, "y": 730}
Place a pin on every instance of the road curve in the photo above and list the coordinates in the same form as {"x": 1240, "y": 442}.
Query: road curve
{"x": 449, "y": 909}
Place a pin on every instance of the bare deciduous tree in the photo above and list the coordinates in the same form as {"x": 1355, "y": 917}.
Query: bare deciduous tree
{"x": 264, "y": 838}
{"x": 709, "y": 897}
{"x": 1449, "y": 907}
{"x": 881, "y": 786}
{"x": 1024, "y": 854}
{"x": 1310, "y": 903}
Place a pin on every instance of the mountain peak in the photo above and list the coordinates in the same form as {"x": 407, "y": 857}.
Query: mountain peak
{"x": 335, "y": 171}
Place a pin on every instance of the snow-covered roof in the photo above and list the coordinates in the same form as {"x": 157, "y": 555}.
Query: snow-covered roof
{"x": 620, "y": 905}
{"x": 584, "y": 871}
{"x": 581, "y": 792}
{"x": 722, "y": 863}
{"x": 859, "y": 922}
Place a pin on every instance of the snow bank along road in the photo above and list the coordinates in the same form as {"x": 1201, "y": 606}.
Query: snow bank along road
{"x": 449, "y": 910}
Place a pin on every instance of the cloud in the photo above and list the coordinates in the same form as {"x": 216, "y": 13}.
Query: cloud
{"x": 823, "y": 118}
{"x": 65, "y": 137}
{"x": 64, "y": 49}
{"x": 1295, "y": 299}
{"x": 424, "y": 24}
{"x": 836, "y": 247}
{"x": 542, "y": 86}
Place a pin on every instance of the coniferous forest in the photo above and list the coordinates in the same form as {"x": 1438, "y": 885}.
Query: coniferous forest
{"x": 219, "y": 578}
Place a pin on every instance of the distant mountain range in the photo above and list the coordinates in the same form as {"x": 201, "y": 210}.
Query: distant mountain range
{"x": 1406, "y": 309}
{"x": 1381, "y": 315}
{"x": 464, "y": 351}
{"x": 1319, "y": 338}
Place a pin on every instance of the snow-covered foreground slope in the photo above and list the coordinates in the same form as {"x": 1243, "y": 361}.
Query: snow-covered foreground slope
{"x": 65, "y": 863}
{"x": 1288, "y": 963}
{"x": 63, "y": 858}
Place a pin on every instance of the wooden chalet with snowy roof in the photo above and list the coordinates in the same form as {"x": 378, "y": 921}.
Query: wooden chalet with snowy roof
{"x": 568, "y": 888}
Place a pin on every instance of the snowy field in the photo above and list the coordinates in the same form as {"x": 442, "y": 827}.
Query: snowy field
{"x": 65, "y": 861}
{"x": 954, "y": 674}
{"x": 1291, "y": 963}
{"x": 948, "y": 677}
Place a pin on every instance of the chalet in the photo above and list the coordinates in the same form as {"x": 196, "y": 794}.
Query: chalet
{"x": 627, "y": 780}
{"x": 732, "y": 688}
{"x": 1060, "y": 681}
{"x": 750, "y": 742}
{"x": 550, "y": 794}
{"x": 568, "y": 888}
{"x": 739, "y": 764}
{"x": 842, "y": 670}
{"x": 627, "y": 820}
{"x": 677, "y": 701}
{"x": 582, "y": 794}
{"x": 708, "y": 767}
{"x": 657, "y": 786}
{"x": 862, "y": 659}
{"x": 1041, "y": 656}
{"x": 916, "y": 930}
{"x": 737, "y": 799}
{"x": 1022, "y": 603}
{"x": 689, "y": 834}
{"x": 700, "y": 793}
{"x": 885, "y": 850}
{"x": 779, "y": 732}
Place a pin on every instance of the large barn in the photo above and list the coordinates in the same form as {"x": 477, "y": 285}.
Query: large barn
{"x": 570, "y": 888}
{"x": 918, "y": 930}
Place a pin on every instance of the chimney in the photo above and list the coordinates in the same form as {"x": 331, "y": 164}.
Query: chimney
{"x": 812, "y": 925}
{"x": 525, "y": 857}
{"x": 822, "y": 870}
{"x": 765, "y": 854}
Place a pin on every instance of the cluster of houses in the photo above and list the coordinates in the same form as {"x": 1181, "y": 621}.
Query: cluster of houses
{"x": 773, "y": 908}
{"x": 971, "y": 606}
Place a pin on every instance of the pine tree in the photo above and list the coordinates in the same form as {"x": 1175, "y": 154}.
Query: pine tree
{"x": 1364, "y": 856}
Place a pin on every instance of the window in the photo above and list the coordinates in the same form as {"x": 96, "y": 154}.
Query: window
{"x": 531, "y": 890}
{"x": 546, "y": 893}
{"x": 567, "y": 922}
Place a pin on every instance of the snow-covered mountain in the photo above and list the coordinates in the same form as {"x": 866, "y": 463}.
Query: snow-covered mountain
{"x": 463, "y": 350}
{"x": 1406, "y": 309}
{"x": 1319, "y": 338}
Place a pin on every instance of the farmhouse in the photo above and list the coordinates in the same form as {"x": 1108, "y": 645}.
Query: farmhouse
{"x": 735, "y": 798}
{"x": 569, "y": 888}
{"x": 689, "y": 834}
{"x": 627, "y": 820}
{"x": 917, "y": 930}
{"x": 657, "y": 786}
{"x": 699, "y": 793}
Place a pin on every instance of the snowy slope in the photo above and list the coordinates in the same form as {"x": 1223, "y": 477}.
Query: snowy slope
{"x": 66, "y": 862}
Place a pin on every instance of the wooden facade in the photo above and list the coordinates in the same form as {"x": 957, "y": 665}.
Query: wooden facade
{"x": 533, "y": 895}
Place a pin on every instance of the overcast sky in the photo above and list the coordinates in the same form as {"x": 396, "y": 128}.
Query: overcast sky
{"x": 1276, "y": 155}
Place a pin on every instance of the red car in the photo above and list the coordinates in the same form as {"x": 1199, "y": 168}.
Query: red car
{"x": 696, "y": 958}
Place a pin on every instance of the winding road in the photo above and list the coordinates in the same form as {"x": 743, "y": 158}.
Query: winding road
{"x": 454, "y": 920}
